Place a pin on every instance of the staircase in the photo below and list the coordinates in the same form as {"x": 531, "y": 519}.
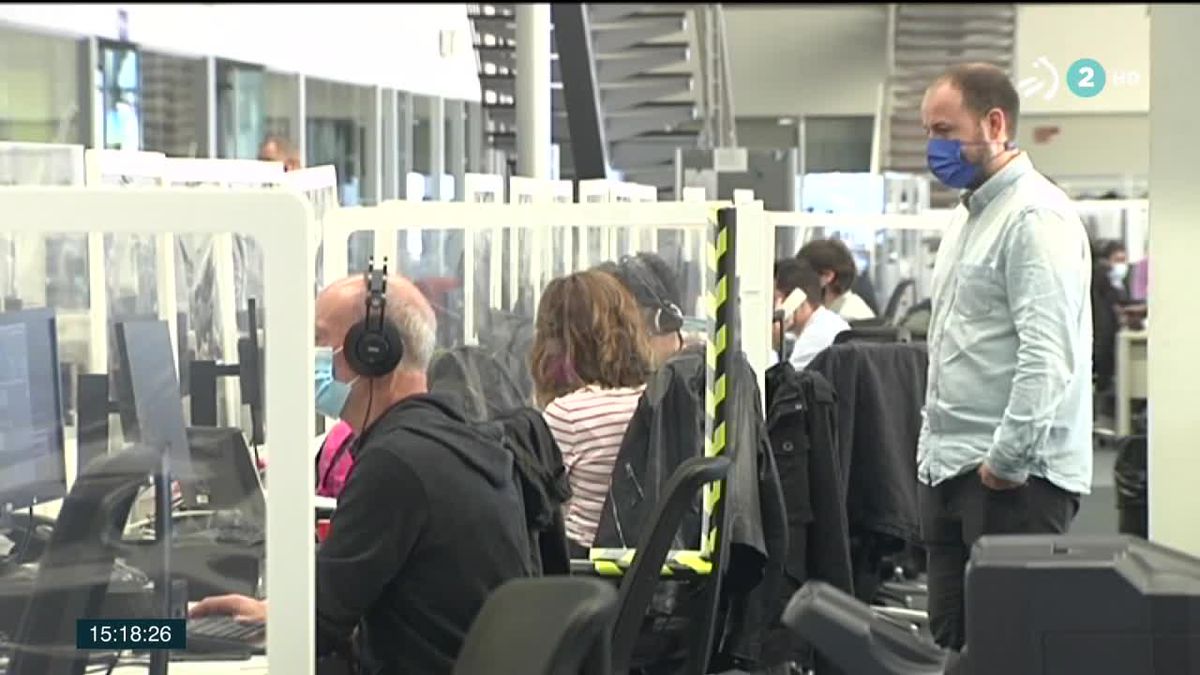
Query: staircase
{"x": 925, "y": 39}
{"x": 652, "y": 84}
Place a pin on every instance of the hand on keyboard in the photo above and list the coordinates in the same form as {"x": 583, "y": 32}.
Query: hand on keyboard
{"x": 239, "y": 607}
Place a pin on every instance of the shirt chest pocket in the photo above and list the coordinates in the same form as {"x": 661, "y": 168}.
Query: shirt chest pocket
{"x": 980, "y": 293}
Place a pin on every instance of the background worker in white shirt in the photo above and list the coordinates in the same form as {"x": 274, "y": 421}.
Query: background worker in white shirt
{"x": 1006, "y": 445}
{"x": 835, "y": 265}
{"x": 814, "y": 326}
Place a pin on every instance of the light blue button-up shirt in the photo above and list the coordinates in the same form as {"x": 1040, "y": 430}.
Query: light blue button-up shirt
{"x": 1010, "y": 337}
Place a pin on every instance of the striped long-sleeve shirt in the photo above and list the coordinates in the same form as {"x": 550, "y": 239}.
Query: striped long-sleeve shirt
{"x": 588, "y": 424}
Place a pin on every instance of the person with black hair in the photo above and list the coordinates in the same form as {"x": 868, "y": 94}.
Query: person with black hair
{"x": 814, "y": 325}
{"x": 1109, "y": 294}
{"x": 834, "y": 262}
{"x": 653, "y": 284}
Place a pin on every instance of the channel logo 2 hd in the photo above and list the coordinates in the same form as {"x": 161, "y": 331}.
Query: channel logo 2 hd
{"x": 1085, "y": 78}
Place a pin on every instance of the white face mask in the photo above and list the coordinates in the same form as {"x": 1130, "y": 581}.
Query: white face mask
{"x": 1117, "y": 274}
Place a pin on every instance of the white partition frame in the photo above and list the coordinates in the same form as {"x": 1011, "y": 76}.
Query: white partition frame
{"x": 274, "y": 218}
{"x": 537, "y": 219}
{"x": 128, "y": 168}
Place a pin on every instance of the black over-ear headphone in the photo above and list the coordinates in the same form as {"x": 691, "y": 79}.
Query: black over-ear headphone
{"x": 373, "y": 347}
{"x": 668, "y": 317}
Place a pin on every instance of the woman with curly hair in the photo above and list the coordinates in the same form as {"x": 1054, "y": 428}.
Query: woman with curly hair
{"x": 590, "y": 362}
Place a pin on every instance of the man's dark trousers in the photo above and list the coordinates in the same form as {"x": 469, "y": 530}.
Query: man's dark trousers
{"x": 958, "y": 511}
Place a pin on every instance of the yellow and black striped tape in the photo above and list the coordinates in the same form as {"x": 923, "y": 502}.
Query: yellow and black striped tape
{"x": 688, "y": 564}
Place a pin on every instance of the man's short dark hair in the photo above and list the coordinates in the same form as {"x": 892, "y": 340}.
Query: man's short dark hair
{"x": 832, "y": 255}
{"x": 793, "y": 273}
{"x": 985, "y": 87}
{"x": 1105, "y": 248}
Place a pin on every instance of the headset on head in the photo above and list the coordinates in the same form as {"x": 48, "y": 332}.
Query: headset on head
{"x": 668, "y": 317}
{"x": 373, "y": 347}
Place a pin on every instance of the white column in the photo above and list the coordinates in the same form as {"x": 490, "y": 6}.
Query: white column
{"x": 300, "y": 133}
{"x": 437, "y": 145}
{"x": 391, "y": 146}
{"x": 1174, "y": 370}
{"x": 533, "y": 90}
{"x": 210, "y": 107}
{"x": 456, "y": 145}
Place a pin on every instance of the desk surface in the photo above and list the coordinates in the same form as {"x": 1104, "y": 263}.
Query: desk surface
{"x": 257, "y": 664}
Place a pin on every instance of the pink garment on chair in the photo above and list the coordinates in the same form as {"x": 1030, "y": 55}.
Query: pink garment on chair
{"x": 335, "y": 461}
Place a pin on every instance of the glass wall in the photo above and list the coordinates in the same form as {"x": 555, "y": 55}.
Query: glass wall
{"x": 340, "y": 125}
{"x": 173, "y": 105}
{"x": 280, "y": 105}
{"x": 39, "y": 88}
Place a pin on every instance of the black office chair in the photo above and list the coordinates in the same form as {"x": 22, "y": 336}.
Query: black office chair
{"x": 894, "y": 311}
{"x": 642, "y": 577}
{"x": 855, "y": 639}
{"x": 868, "y": 333}
{"x": 546, "y": 626}
{"x": 77, "y": 565}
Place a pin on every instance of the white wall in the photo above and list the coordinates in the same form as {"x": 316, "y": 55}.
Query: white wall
{"x": 1174, "y": 370}
{"x": 806, "y": 60}
{"x": 1089, "y": 144}
{"x": 393, "y": 45}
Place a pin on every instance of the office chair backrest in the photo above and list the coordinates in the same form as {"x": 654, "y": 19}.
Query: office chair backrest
{"x": 895, "y": 310}
{"x": 76, "y": 568}
{"x": 640, "y": 580}
{"x": 544, "y": 626}
{"x": 850, "y": 635}
{"x": 882, "y": 334}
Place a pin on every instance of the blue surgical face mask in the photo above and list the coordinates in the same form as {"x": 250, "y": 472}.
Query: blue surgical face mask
{"x": 330, "y": 393}
{"x": 949, "y": 165}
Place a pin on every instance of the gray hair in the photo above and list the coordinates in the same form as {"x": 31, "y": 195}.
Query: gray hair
{"x": 418, "y": 330}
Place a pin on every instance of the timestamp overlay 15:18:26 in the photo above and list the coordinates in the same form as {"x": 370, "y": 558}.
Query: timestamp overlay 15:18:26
{"x": 133, "y": 634}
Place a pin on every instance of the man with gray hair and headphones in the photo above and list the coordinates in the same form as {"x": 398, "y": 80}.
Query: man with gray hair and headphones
{"x": 430, "y": 520}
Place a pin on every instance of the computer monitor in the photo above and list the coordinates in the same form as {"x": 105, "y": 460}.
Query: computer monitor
{"x": 32, "y": 464}
{"x": 148, "y": 394}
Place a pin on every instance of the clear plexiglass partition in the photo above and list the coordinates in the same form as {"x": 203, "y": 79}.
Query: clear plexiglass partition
{"x": 100, "y": 467}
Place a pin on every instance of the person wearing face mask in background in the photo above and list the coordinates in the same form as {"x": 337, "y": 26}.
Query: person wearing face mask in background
{"x": 798, "y": 296}
{"x": 1006, "y": 440}
{"x": 833, "y": 260}
{"x": 430, "y": 521}
{"x": 1109, "y": 295}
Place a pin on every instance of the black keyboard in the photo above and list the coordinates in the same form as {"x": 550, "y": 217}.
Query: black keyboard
{"x": 223, "y": 634}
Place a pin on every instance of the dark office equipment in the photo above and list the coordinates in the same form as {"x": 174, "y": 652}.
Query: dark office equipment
{"x": 32, "y": 465}
{"x": 184, "y": 350}
{"x": 66, "y": 378}
{"x": 94, "y": 408}
{"x": 1132, "y": 482}
{"x": 850, "y": 634}
{"x": 250, "y": 375}
{"x": 222, "y": 634}
{"x": 563, "y": 630}
{"x": 871, "y": 333}
{"x": 204, "y": 376}
{"x": 219, "y": 548}
{"x": 1042, "y": 605}
{"x": 76, "y": 570}
{"x": 148, "y": 394}
{"x": 225, "y": 475}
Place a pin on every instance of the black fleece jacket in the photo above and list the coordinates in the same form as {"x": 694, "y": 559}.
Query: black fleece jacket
{"x": 430, "y": 522}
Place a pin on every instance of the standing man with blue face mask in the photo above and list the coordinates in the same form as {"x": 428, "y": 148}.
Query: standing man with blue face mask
{"x": 430, "y": 520}
{"x": 1006, "y": 444}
